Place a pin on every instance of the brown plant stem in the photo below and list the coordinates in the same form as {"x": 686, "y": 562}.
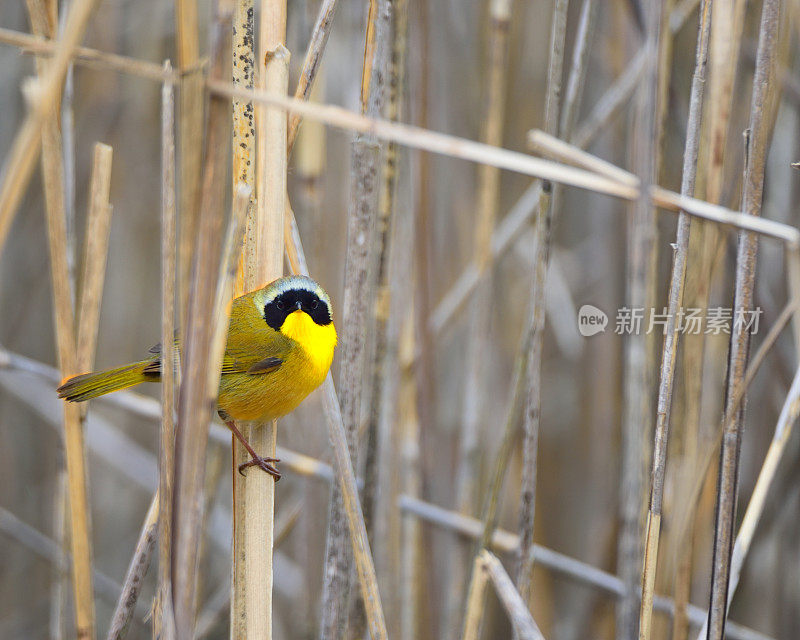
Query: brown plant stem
{"x": 164, "y": 615}
{"x": 671, "y": 335}
{"x": 760, "y": 129}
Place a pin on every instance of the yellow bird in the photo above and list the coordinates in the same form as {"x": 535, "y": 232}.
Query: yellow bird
{"x": 279, "y": 349}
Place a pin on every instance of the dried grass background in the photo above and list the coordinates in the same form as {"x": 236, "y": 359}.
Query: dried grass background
{"x": 423, "y": 567}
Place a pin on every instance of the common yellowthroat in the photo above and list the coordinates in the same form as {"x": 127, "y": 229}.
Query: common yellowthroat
{"x": 279, "y": 349}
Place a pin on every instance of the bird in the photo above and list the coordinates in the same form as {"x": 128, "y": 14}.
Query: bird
{"x": 279, "y": 348}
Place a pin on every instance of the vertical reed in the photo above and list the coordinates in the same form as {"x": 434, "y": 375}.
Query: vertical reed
{"x": 164, "y": 615}
{"x": 532, "y": 408}
{"x": 356, "y": 320}
{"x": 760, "y": 132}
{"x": 45, "y": 113}
{"x": 264, "y": 263}
{"x": 671, "y": 335}
{"x": 637, "y": 418}
{"x": 243, "y": 170}
{"x": 196, "y": 400}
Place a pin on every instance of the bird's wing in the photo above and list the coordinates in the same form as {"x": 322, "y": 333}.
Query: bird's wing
{"x": 255, "y": 348}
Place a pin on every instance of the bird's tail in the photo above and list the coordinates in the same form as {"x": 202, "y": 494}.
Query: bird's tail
{"x": 92, "y": 385}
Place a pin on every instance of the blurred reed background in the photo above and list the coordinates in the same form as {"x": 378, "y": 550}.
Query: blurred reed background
{"x": 512, "y": 470}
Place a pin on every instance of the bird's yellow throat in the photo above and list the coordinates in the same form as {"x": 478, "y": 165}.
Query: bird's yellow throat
{"x": 317, "y": 341}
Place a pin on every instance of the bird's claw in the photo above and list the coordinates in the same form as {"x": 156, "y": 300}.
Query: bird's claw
{"x": 264, "y": 465}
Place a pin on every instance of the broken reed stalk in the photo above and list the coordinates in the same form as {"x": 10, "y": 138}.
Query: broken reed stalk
{"x": 671, "y": 332}
{"x": 243, "y": 171}
{"x": 194, "y": 402}
{"x": 140, "y": 561}
{"x": 44, "y": 97}
{"x": 164, "y": 615}
{"x": 760, "y": 129}
{"x": 356, "y": 318}
{"x": 542, "y": 229}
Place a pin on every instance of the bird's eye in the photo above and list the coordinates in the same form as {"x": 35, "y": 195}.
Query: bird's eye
{"x": 280, "y": 305}
{"x": 315, "y": 304}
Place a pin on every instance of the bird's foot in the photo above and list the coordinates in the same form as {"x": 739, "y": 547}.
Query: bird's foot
{"x": 264, "y": 465}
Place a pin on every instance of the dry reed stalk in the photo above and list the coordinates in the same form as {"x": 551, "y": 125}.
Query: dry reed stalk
{"x": 471, "y": 440}
{"x": 43, "y": 24}
{"x": 385, "y": 221}
{"x": 476, "y": 600}
{"x": 703, "y": 463}
{"x": 760, "y": 129}
{"x": 70, "y": 360}
{"x": 412, "y": 571}
{"x": 356, "y": 319}
{"x": 380, "y": 465}
{"x": 164, "y": 615}
{"x": 507, "y": 542}
{"x": 190, "y": 141}
{"x": 194, "y": 402}
{"x": 755, "y": 507}
{"x": 60, "y": 577}
{"x": 375, "y": 78}
{"x": 44, "y": 96}
{"x": 578, "y": 69}
{"x": 311, "y": 63}
{"x": 87, "y": 56}
{"x": 468, "y": 476}
{"x": 485, "y": 567}
{"x": 456, "y": 147}
{"x": 671, "y": 332}
{"x": 95, "y": 254}
{"x": 347, "y": 484}
{"x": 305, "y": 85}
{"x": 724, "y": 48}
{"x": 140, "y": 561}
{"x": 637, "y": 416}
{"x": 244, "y": 163}
{"x": 225, "y": 283}
{"x": 263, "y": 263}
{"x": 684, "y": 542}
{"x": 355, "y": 519}
{"x": 532, "y": 407}
{"x": 612, "y": 101}
{"x": 524, "y": 625}
{"x": 552, "y": 147}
